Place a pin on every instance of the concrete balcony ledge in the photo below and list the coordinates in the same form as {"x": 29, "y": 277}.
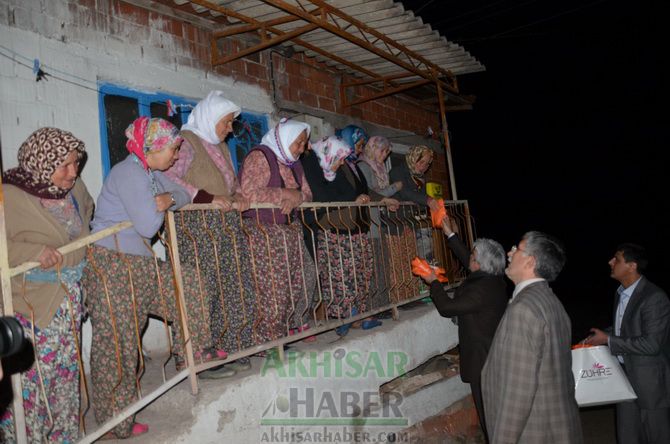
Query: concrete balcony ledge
{"x": 324, "y": 390}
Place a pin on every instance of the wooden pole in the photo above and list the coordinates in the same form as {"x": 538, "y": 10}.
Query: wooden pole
{"x": 8, "y": 310}
{"x": 447, "y": 145}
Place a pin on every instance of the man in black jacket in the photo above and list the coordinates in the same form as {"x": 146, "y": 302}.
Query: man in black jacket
{"x": 479, "y": 302}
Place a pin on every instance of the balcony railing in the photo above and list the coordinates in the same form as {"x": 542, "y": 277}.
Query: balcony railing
{"x": 328, "y": 266}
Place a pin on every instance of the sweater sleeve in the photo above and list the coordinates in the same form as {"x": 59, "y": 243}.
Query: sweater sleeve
{"x": 373, "y": 184}
{"x": 255, "y": 178}
{"x": 133, "y": 189}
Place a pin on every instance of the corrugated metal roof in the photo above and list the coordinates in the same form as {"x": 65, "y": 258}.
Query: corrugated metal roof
{"x": 384, "y": 16}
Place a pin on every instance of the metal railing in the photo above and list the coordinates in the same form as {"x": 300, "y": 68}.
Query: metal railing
{"x": 254, "y": 286}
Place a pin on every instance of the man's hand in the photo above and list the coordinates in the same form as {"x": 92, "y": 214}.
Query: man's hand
{"x": 597, "y": 337}
{"x": 290, "y": 199}
{"x": 49, "y": 257}
{"x": 163, "y": 201}
{"x": 447, "y": 227}
{"x": 429, "y": 278}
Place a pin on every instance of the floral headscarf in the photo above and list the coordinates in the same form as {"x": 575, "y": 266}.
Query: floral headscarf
{"x": 39, "y": 156}
{"x": 280, "y": 138}
{"x": 352, "y": 134}
{"x": 330, "y": 150}
{"x": 146, "y": 134}
{"x": 375, "y": 145}
{"x": 414, "y": 155}
{"x": 207, "y": 113}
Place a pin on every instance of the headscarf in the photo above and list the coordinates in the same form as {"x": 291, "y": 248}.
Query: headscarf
{"x": 39, "y": 156}
{"x": 352, "y": 134}
{"x": 329, "y": 151}
{"x": 375, "y": 145}
{"x": 414, "y": 155}
{"x": 145, "y": 135}
{"x": 207, "y": 113}
{"x": 280, "y": 138}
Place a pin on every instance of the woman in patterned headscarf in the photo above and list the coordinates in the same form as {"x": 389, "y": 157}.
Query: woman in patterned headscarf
{"x": 46, "y": 207}
{"x": 124, "y": 284}
{"x": 283, "y": 270}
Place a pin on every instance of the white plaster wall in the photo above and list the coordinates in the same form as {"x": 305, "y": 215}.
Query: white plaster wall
{"x": 231, "y": 410}
{"x": 83, "y": 57}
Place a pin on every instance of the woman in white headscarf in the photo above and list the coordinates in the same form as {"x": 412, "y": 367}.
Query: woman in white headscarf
{"x": 205, "y": 170}
{"x": 283, "y": 271}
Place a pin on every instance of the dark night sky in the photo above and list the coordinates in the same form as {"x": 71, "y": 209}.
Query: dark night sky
{"x": 568, "y": 133}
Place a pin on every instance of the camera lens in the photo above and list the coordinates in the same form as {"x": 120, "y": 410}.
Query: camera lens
{"x": 11, "y": 336}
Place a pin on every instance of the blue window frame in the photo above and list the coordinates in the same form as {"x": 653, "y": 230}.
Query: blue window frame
{"x": 119, "y": 106}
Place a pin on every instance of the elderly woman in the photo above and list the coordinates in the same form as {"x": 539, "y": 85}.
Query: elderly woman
{"x": 205, "y": 170}
{"x": 283, "y": 270}
{"x": 400, "y": 243}
{"x": 46, "y": 207}
{"x": 124, "y": 283}
{"x": 411, "y": 174}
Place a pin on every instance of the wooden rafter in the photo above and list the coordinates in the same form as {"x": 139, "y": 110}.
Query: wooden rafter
{"x": 385, "y": 92}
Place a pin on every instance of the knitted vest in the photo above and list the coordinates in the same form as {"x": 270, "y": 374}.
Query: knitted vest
{"x": 203, "y": 172}
{"x": 267, "y": 215}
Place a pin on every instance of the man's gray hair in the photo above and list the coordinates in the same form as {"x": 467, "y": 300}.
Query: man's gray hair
{"x": 548, "y": 252}
{"x": 490, "y": 256}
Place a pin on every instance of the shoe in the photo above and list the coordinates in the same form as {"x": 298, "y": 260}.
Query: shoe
{"x": 370, "y": 323}
{"x": 137, "y": 430}
{"x": 206, "y": 355}
{"x": 220, "y": 372}
{"x": 239, "y": 366}
{"x": 343, "y": 330}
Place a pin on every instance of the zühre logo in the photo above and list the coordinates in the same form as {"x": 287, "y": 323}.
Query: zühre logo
{"x": 597, "y": 370}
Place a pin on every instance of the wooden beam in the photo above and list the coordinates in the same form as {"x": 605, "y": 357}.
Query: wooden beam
{"x": 388, "y": 92}
{"x": 264, "y": 44}
{"x": 447, "y": 145}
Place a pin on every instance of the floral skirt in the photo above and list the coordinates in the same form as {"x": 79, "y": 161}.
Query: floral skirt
{"x": 58, "y": 368}
{"x": 284, "y": 278}
{"x": 121, "y": 290}
{"x": 214, "y": 244}
{"x": 403, "y": 248}
{"x": 346, "y": 268}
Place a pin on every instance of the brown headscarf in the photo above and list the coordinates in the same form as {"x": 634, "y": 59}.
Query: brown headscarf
{"x": 414, "y": 155}
{"x": 39, "y": 156}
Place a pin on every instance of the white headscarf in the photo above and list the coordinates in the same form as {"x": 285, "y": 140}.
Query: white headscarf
{"x": 207, "y": 113}
{"x": 280, "y": 138}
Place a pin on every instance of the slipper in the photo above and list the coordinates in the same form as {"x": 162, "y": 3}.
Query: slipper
{"x": 342, "y": 330}
{"x": 370, "y": 323}
{"x": 137, "y": 430}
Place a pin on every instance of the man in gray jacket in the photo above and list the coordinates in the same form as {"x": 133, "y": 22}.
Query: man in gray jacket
{"x": 640, "y": 338}
{"x": 527, "y": 382}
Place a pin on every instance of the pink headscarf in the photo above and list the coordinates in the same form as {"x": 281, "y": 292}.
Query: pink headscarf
{"x": 146, "y": 134}
{"x": 372, "y": 148}
{"x": 329, "y": 151}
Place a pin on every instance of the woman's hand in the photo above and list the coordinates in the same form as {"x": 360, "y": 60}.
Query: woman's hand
{"x": 289, "y": 200}
{"x": 224, "y": 202}
{"x": 397, "y": 185}
{"x": 240, "y": 203}
{"x": 393, "y": 204}
{"x": 49, "y": 257}
{"x": 432, "y": 204}
{"x": 362, "y": 199}
{"x": 163, "y": 201}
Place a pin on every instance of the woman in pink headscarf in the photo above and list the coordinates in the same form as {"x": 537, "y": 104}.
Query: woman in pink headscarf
{"x": 122, "y": 281}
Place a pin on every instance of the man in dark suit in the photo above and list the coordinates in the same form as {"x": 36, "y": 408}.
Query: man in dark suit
{"x": 640, "y": 338}
{"x": 479, "y": 302}
{"x": 527, "y": 382}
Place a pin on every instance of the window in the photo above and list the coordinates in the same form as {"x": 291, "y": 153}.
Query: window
{"x": 120, "y": 106}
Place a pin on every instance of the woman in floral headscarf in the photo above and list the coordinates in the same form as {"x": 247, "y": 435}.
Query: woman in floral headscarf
{"x": 124, "y": 284}
{"x": 344, "y": 260}
{"x": 47, "y": 206}
{"x": 205, "y": 170}
{"x": 284, "y": 272}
